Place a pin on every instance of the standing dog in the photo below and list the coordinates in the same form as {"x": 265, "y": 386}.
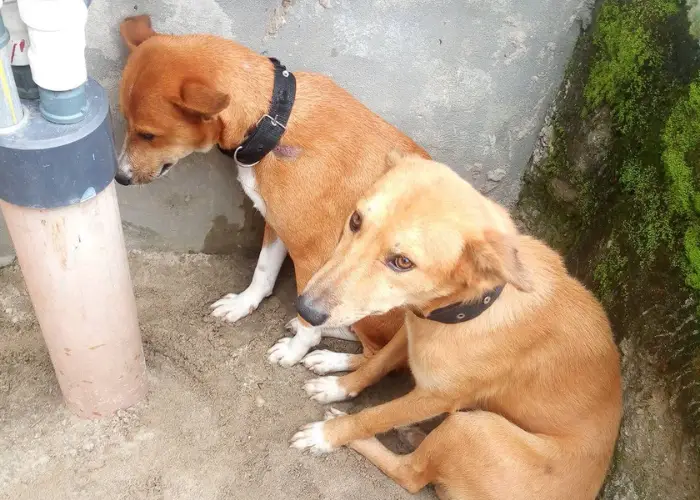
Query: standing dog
{"x": 181, "y": 94}
{"x": 500, "y": 337}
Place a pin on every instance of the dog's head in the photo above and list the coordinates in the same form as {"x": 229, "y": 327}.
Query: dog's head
{"x": 170, "y": 109}
{"x": 420, "y": 235}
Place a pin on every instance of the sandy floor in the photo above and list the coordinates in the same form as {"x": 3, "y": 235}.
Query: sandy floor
{"x": 218, "y": 416}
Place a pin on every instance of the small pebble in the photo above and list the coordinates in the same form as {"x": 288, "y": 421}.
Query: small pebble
{"x": 259, "y": 402}
{"x": 496, "y": 175}
{"x": 88, "y": 446}
{"x": 98, "y": 463}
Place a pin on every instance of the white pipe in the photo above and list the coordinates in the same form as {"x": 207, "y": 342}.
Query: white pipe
{"x": 57, "y": 51}
{"x": 74, "y": 264}
{"x": 19, "y": 36}
{"x": 11, "y": 112}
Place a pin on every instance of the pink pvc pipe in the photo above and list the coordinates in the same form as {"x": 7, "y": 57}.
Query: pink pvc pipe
{"x": 74, "y": 263}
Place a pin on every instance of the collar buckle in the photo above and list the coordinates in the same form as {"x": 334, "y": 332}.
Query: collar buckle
{"x": 274, "y": 121}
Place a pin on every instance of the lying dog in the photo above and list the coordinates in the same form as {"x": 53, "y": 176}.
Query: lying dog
{"x": 500, "y": 337}
{"x": 181, "y": 94}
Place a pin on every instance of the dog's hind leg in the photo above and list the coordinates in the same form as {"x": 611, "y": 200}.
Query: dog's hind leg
{"x": 479, "y": 455}
{"x": 411, "y": 472}
{"x": 473, "y": 455}
{"x": 235, "y": 306}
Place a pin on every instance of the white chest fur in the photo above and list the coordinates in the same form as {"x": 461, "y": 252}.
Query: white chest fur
{"x": 246, "y": 176}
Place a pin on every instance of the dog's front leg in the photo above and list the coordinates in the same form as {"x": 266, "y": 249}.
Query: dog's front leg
{"x": 235, "y": 306}
{"x": 416, "y": 406}
{"x": 332, "y": 388}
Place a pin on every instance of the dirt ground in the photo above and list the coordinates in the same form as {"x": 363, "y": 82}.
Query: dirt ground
{"x": 218, "y": 417}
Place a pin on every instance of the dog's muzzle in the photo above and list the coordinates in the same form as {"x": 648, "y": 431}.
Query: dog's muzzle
{"x": 124, "y": 180}
{"x": 311, "y": 311}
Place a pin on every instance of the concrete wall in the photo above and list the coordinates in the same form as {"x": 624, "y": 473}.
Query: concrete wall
{"x": 470, "y": 80}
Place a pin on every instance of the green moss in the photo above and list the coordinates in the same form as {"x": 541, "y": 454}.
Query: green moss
{"x": 694, "y": 17}
{"x": 623, "y": 76}
{"x": 682, "y": 138}
{"x": 650, "y": 229}
{"x": 610, "y": 271}
{"x": 633, "y": 233}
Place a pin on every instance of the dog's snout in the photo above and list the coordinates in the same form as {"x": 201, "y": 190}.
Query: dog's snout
{"x": 311, "y": 311}
{"x": 122, "y": 179}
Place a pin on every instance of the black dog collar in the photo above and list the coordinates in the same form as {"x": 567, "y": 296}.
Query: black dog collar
{"x": 461, "y": 311}
{"x": 267, "y": 133}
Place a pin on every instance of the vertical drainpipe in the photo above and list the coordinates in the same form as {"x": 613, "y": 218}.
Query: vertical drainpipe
{"x": 19, "y": 48}
{"x": 11, "y": 112}
{"x": 57, "y": 196}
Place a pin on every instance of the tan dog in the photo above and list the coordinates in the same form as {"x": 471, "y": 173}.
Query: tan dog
{"x": 181, "y": 94}
{"x": 531, "y": 383}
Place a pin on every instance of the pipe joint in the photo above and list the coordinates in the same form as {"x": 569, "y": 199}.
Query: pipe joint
{"x": 49, "y": 165}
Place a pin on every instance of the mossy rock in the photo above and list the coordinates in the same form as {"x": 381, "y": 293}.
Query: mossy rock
{"x": 617, "y": 193}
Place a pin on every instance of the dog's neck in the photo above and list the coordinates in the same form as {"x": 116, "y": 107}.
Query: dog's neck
{"x": 461, "y": 307}
{"x": 249, "y": 79}
{"x": 546, "y": 270}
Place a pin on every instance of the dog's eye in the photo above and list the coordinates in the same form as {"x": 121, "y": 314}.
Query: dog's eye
{"x": 401, "y": 263}
{"x": 146, "y": 136}
{"x": 355, "y": 221}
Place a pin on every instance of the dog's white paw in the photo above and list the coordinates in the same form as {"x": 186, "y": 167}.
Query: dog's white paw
{"x": 293, "y": 325}
{"x": 233, "y": 307}
{"x": 311, "y": 437}
{"x": 286, "y": 352}
{"x": 322, "y": 362}
{"x": 326, "y": 390}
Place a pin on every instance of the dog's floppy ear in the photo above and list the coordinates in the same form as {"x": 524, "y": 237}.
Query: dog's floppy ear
{"x": 201, "y": 100}
{"x": 494, "y": 256}
{"x": 136, "y": 30}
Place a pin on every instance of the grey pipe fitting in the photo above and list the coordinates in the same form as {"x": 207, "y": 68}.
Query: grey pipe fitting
{"x": 47, "y": 165}
{"x": 64, "y": 107}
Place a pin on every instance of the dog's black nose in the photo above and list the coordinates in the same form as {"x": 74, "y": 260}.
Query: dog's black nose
{"x": 310, "y": 311}
{"x": 122, "y": 179}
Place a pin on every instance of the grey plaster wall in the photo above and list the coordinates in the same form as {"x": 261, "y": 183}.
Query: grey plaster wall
{"x": 470, "y": 80}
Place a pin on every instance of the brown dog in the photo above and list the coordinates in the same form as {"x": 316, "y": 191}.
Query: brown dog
{"x": 499, "y": 336}
{"x": 181, "y": 94}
